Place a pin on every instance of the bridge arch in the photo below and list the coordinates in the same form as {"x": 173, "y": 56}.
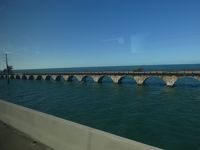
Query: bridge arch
{"x": 105, "y": 78}
{"x": 154, "y": 80}
{"x": 48, "y": 77}
{"x": 3, "y": 76}
{"x": 126, "y": 79}
{"x": 72, "y": 78}
{"x": 17, "y": 76}
{"x": 31, "y": 77}
{"x": 12, "y": 76}
{"x": 187, "y": 80}
{"x": 24, "y": 77}
{"x": 87, "y": 78}
{"x": 59, "y": 78}
{"x": 39, "y": 77}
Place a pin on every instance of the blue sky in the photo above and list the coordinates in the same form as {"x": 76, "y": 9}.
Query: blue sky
{"x": 80, "y": 33}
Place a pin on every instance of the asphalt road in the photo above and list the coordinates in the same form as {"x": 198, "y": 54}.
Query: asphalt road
{"x": 12, "y": 139}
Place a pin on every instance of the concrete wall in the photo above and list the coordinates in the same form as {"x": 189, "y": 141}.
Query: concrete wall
{"x": 61, "y": 134}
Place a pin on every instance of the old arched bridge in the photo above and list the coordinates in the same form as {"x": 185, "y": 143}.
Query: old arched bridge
{"x": 140, "y": 77}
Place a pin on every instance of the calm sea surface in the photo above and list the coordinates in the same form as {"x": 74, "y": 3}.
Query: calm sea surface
{"x": 168, "y": 118}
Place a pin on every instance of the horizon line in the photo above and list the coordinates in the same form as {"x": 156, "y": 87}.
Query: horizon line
{"x": 107, "y": 66}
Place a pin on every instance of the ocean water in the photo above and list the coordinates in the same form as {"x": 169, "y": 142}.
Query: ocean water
{"x": 121, "y": 68}
{"x": 165, "y": 117}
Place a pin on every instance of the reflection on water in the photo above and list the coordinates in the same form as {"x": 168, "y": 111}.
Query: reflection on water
{"x": 154, "y": 114}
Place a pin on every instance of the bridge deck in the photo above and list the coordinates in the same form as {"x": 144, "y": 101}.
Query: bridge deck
{"x": 177, "y": 73}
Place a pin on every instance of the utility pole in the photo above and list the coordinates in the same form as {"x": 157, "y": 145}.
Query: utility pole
{"x": 7, "y": 69}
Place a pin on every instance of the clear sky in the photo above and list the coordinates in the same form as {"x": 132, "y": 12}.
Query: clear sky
{"x": 78, "y": 33}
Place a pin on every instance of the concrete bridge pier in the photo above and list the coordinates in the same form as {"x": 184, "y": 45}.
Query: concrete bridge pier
{"x": 35, "y": 77}
{"x": 24, "y": 77}
{"x": 31, "y": 77}
{"x": 79, "y": 77}
{"x": 197, "y": 77}
{"x": 11, "y": 77}
{"x": 170, "y": 80}
{"x": 3, "y": 76}
{"x": 54, "y": 77}
{"x": 115, "y": 79}
{"x": 43, "y": 77}
{"x": 96, "y": 78}
{"x": 20, "y": 76}
{"x": 66, "y": 77}
{"x": 17, "y": 76}
{"x": 140, "y": 79}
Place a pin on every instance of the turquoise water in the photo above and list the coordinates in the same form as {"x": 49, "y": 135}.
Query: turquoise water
{"x": 168, "y": 118}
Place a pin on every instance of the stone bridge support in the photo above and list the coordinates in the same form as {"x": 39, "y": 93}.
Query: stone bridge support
{"x": 79, "y": 77}
{"x": 26, "y": 76}
{"x": 54, "y": 77}
{"x": 31, "y": 77}
{"x": 11, "y": 76}
{"x": 35, "y": 77}
{"x": 140, "y": 79}
{"x": 3, "y": 76}
{"x": 18, "y": 76}
{"x": 197, "y": 77}
{"x": 14, "y": 76}
{"x": 43, "y": 77}
{"x": 66, "y": 77}
{"x": 115, "y": 79}
{"x": 170, "y": 80}
{"x": 96, "y": 78}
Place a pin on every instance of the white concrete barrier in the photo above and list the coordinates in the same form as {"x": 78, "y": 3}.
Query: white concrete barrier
{"x": 61, "y": 134}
